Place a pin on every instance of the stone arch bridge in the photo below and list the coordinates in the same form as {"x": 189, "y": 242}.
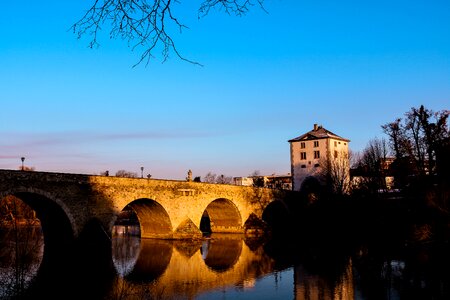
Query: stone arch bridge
{"x": 69, "y": 205}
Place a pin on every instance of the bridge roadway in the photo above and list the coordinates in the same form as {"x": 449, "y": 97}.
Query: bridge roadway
{"x": 69, "y": 205}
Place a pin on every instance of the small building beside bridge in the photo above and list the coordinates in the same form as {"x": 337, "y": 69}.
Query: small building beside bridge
{"x": 273, "y": 181}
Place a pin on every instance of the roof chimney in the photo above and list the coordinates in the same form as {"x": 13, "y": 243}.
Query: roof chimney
{"x": 315, "y": 127}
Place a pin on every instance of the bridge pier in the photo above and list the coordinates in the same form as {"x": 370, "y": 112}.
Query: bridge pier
{"x": 187, "y": 230}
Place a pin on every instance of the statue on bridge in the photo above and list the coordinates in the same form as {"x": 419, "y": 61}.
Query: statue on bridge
{"x": 189, "y": 177}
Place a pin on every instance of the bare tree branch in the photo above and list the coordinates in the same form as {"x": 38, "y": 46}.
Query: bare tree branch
{"x": 236, "y": 7}
{"x": 335, "y": 171}
{"x": 144, "y": 23}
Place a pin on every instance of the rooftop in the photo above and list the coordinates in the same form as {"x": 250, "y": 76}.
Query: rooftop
{"x": 318, "y": 132}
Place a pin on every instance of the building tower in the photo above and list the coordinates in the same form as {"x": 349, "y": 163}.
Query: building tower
{"x": 313, "y": 152}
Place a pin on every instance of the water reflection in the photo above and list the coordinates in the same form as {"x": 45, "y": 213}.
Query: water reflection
{"x": 419, "y": 271}
{"x": 221, "y": 252}
{"x": 310, "y": 286}
{"x": 232, "y": 266}
{"x": 21, "y": 253}
{"x": 187, "y": 268}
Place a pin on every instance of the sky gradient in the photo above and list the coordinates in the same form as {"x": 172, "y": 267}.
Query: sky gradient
{"x": 267, "y": 77}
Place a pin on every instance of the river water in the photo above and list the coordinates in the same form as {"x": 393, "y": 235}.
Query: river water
{"x": 233, "y": 266}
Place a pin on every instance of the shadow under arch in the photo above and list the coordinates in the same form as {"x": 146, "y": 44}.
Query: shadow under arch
{"x": 222, "y": 251}
{"x": 154, "y": 221}
{"x": 56, "y": 227}
{"x": 58, "y": 267}
{"x": 311, "y": 188}
{"x": 255, "y": 226}
{"x": 221, "y": 216}
{"x": 277, "y": 216}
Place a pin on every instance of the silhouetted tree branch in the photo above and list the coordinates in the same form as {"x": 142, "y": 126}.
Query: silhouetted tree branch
{"x": 238, "y": 8}
{"x": 145, "y": 23}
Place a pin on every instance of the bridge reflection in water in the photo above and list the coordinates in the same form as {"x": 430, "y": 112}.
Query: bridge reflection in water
{"x": 191, "y": 269}
{"x": 223, "y": 265}
{"x": 185, "y": 268}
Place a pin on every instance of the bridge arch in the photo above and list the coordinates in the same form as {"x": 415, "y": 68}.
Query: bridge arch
{"x": 276, "y": 215}
{"x": 154, "y": 221}
{"x": 221, "y": 216}
{"x": 311, "y": 187}
{"x": 58, "y": 226}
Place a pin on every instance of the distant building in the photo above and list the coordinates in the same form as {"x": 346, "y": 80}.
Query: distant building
{"x": 311, "y": 151}
{"x": 245, "y": 181}
{"x": 384, "y": 178}
{"x": 283, "y": 182}
{"x": 268, "y": 181}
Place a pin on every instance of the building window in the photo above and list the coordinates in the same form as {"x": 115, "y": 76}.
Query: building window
{"x": 302, "y": 145}
{"x": 335, "y": 143}
{"x": 316, "y": 154}
{"x": 303, "y": 166}
{"x": 316, "y": 165}
{"x": 302, "y": 155}
{"x": 335, "y": 154}
{"x": 316, "y": 143}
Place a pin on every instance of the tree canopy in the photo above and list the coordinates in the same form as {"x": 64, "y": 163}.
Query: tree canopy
{"x": 416, "y": 154}
{"x": 417, "y": 140}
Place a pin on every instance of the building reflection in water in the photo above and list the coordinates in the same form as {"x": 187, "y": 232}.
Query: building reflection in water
{"x": 316, "y": 287}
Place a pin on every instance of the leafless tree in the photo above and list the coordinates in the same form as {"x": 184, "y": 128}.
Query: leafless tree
{"x": 222, "y": 179}
{"x": 394, "y": 131}
{"x": 21, "y": 245}
{"x": 146, "y": 24}
{"x": 427, "y": 130}
{"x": 255, "y": 173}
{"x": 127, "y": 174}
{"x": 335, "y": 171}
{"x": 372, "y": 166}
{"x": 417, "y": 138}
{"x": 210, "y": 177}
{"x": 258, "y": 180}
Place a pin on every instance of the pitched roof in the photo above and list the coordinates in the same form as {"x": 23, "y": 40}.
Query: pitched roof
{"x": 318, "y": 133}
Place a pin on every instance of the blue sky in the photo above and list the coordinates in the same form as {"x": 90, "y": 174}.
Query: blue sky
{"x": 266, "y": 78}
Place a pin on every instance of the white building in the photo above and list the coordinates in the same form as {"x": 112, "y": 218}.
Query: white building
{"x": 273, "y": 181}
{"x": 245, "y": 181}
{"x": 311, "y": 150}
